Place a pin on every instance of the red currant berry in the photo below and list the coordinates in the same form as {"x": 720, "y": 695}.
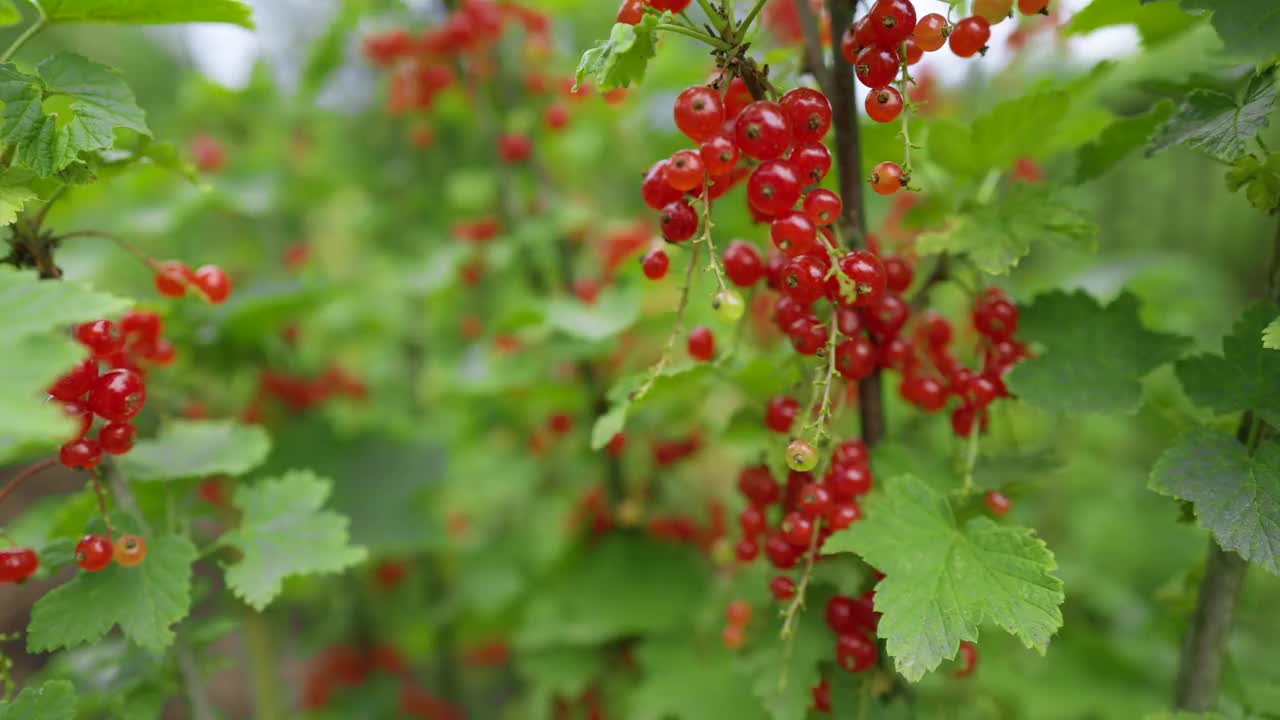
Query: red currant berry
{"x": 76, "y": 383}
{"x": 117, "y": 438}
{"x": 742, "y": 264}
{"x": 893, "y": 21}
{"x": 931, "y": 32}
{"x": 797, "y": 529}
{"x": 514, "y": 148}
{"x": 762, "y": 131}
{"x": 993, "y": 11}
{"x": 867, "y": 274}
{"x": 812, "y": 161}
{"x": 655, "y": 264}
{"x": 875, "y": 66}
{"x": 969, "y": 36}
{"x": 935, "y": 329}
{"x": 897, "y": 273}
{"x": 781, "y": 413}
{"x": 774, "y": 187}
{"x": 782, "y": 554}
{"x": 968, "y": 660}
{"x": 702, "y": 344}
{"x": 850, "y": 452}
{"x": 884, "y": 104}
{"x": 171, "y": 278}
{"x": 141, "y": 324}
{"x": 130, "y": 550}
{"x": 804, "y": 279}
{"x": 808, "y": 113}
{"x": 924, "y": 392}
{"x": 807, "y": 337}
{"x": 118, "y": 395}
{"x": 102, "y": 337}
{"x": 782, "y": 588}
{"x": 962, "y": 420}
{"x": 887, "y": 178}
{"x": 856, "y": 358}
{"x": 1033, "y": 7}
{"x": 617, "y": 444}
{"x": 793, "y": 233}
{"x": 886, "y": 316}
{"x": 844, "y": 515}
{"x": 840, "y": 613}
{"x": 980, "y": 391}
{"x": 17, "y": 564}
{"x": 736, "y": 98}
{"x": 555, "y": 116}
{"x": 79, "y": 413}
{"x": 732, "y": 637}
{"x": 655, "y": 189}
{"x": 998, "y": 503}
{"x": 213, "y": 284}
{"x": 855, "y": 653}
{"x": 997, "y": 319}
{"x": 910, "y": 52}
{"x": 822, "y": 697}
{"x": 83, "y": 454}
{"x": 678, "y": 221}
{"x": 719, "y": 155}
{"x": 815, "y": 500}
{"x": 746, "y": 550}
{"x": 738, "y": 613}
{"x": 847, "y": 481}
{"x": 699, "y": 113}
{"x": 685, "y": 170}
{"x": 93, "y": 553}
{"x": 822, "y": 206}
{"x": 752, "y": 521}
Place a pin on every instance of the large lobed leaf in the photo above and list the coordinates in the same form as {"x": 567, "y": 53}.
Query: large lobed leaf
{"x": 1246, "y": 376}
{"x": 997, "y": 236}
{"x": 97, "y": 102}
{"x": 284, "y": 532}
{"x": 680, "y": 678}
{"x": 943, "y": 579}
{"x": 1120, "y": 138}
{"x": 1218, "y": 124}
{"x": 53, "y": 700}
{"x": 148, "y": 12}
{"x": 32, "y": 305}
{"x": 623, "y": 58}
{"x": 145, "y": 601}
{"x": 1248, "y": 27}
{"x": 1093, "y": 356}
{"x": 1155, "y": 22}
{"x": 1236, "y": 496}
{"x": 194, "y": 448}
{"x": 1012, "y": 129}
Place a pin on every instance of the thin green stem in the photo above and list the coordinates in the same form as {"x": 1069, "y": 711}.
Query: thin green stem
{"x": 745, "y": 27}
{"x": 716, "y": 18}
{"x": 676, "y": 331}
{"x": 32, "y": 30}
{"x": 713, "y": 263}
{"x": 970, "y": 458}
{"x": 262, "y": 667}
{"x": 714, "y": 42}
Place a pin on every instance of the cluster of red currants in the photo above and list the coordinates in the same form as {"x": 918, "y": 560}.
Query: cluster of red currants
{"x": 343, "y": 666}
{"x": 300, "y": 393}
{"x": 92, "y": 553}
{"x": 116, "y": 395}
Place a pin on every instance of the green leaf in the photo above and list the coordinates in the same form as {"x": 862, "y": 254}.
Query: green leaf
{"x": 1120, "y": 138}
{"x": 148, "y": 12}
{"x": 1259, "y": 178}
{"x": 623, "y": 58}
{"x": 1154, "y": 22}
{"x": 145, "y": 601}
{"x": 782, "y": 676}
{"x": 943, "y": 579}
{"x": 998, "y": 235}
{"x": 32, "y": 363}
{"x": 1246, "y": 376}
{"x": 284, "y": 532}
{"x": 32, "y": 305}
{"x": 672, "y": 380}
{"x": 9, "y": 14}
{"x": 1218, "y": 124}
{"x": 195, "y": 448}
{"x": 613, "y": 311}
{"x": 13, "y": 197}
{"x": 54, "y": 700}
{"x": 681, "y": 676}
{"x": 1093, "y": 356}
{"x": 651, "y": 588}
{"x": 1236, "y": 497}
{"x": 556, "y": 672}
{"x": 1012, "y": 129}
{"x": 1248, "y": 27}
{"x": 92, "y": 102}
{"x": 1271, "y": 335}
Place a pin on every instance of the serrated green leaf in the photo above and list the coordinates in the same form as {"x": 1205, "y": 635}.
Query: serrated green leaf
{"x": 1249, "y": 27}
{"x": 9, "y": 14}
{"x": 623, "y": 58}
{"x": 783, "y": 673}
{"x": 13, "y": 197}
{"x": 652, "y": 586}
{"x": 145, "y": 601}
{"x": 1094, "y": 356}
{"x": 195, "y": 448}
{"x": 556, "y": 672}
{"x": 615, "y": 310}
{"x": 1154, "y": 22}
{"x": 148, "y": 12}
{"x": 943, "y": 579}
{"x": 32, "y": 305}
{"x": 1236, "y": 496}
{"x": 1271, "y": 335}
{"x": 1012, "y": 129}
{"x": 53, "y": 700}
{"x": 1260, "y": 179}
{"x": 95, "y": 99}
{"x": 672, "y": 379}
{"x": 998, "y": 235}
{"x": 1218, "y": 124}
{"x": 32, "y": 363}
{"x": 1246, "y": 376}
{"x": 284, "y": 532}
{"x": 680, "y": 678}
{"x": 1120, "y": 138}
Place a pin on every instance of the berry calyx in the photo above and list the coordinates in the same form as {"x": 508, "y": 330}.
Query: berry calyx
{"x": 93, "y": 553}
{"x": 130, "y": 550}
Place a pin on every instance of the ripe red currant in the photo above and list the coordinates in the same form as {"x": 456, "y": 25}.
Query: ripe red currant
{"x": 171, "y": 278}
{"x": 118, "y": 395}
{"x": 797, "y": 529}
{"x": 774, "y": 187}
{"x": 782, "y": 588}
{"x": 679, "y": 221}
{"x": 924, "y": 392}
{"x": 130, "y": 550}
{"x": 804, "y": 279}
{"x": 117, "y": 438}
{"x": 93, "y": 553}
{"x": 762, "y": 131}
{"x": 931, "y": 32}
{"x": 514, "y": 147}
{"x": 998, "y": 503}
{"x": 77, "y": 382}
{"x": 840, "y": 613}
{"x": 781, "y": 413}
{"x": 719, "y": 155}
{"x": 968, "y": 660}
{"x": 738, "y": 612}
{"x": 969, "y": 36}
{"x": 736, "y": 98}
{"x": 910, "y": 51}
{"x": 556, "y": 116}
{"x": 793, "y": 233}
{"x": 897, "y": 273}
{"x": 892, "y": 21}
{"x": 742, "y": 264}
{"x": 997, "y": 319}
{"x": 867, "y": 274}
{"x": 887, "y": 178}
{"x": 752, "y": 521}
{"x": 807, "y": 337}
{"x": 808, "y": 113}
{"x": 102, "y": 337}
{"x": 685, "y": 170}
{"x": 655, "y": 189}
{"x": 141, "y": 324}
{"x": 83, "y": 454}
{"x": 655, "y": 264}
{"x": 856, "y": 358}
{"x": 213, "y": 284}
{"x": 782, "y": 554}
{"x": 746, "y": 550}
{"x": 1033, "y": 7}
{"x": 702, "y": 344}
{"x": 886, "y": 316}
{"x": 812, "y": 161}
{"x": 699, "y": 113}
{"x": 875, "y": 66}
{"x": 17, "y": 564}
{"x": 732, "y": 637}
{"x": 855, "y": 653}
{"x": 758, "y": 486}
{"x": 884, "y": 104}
